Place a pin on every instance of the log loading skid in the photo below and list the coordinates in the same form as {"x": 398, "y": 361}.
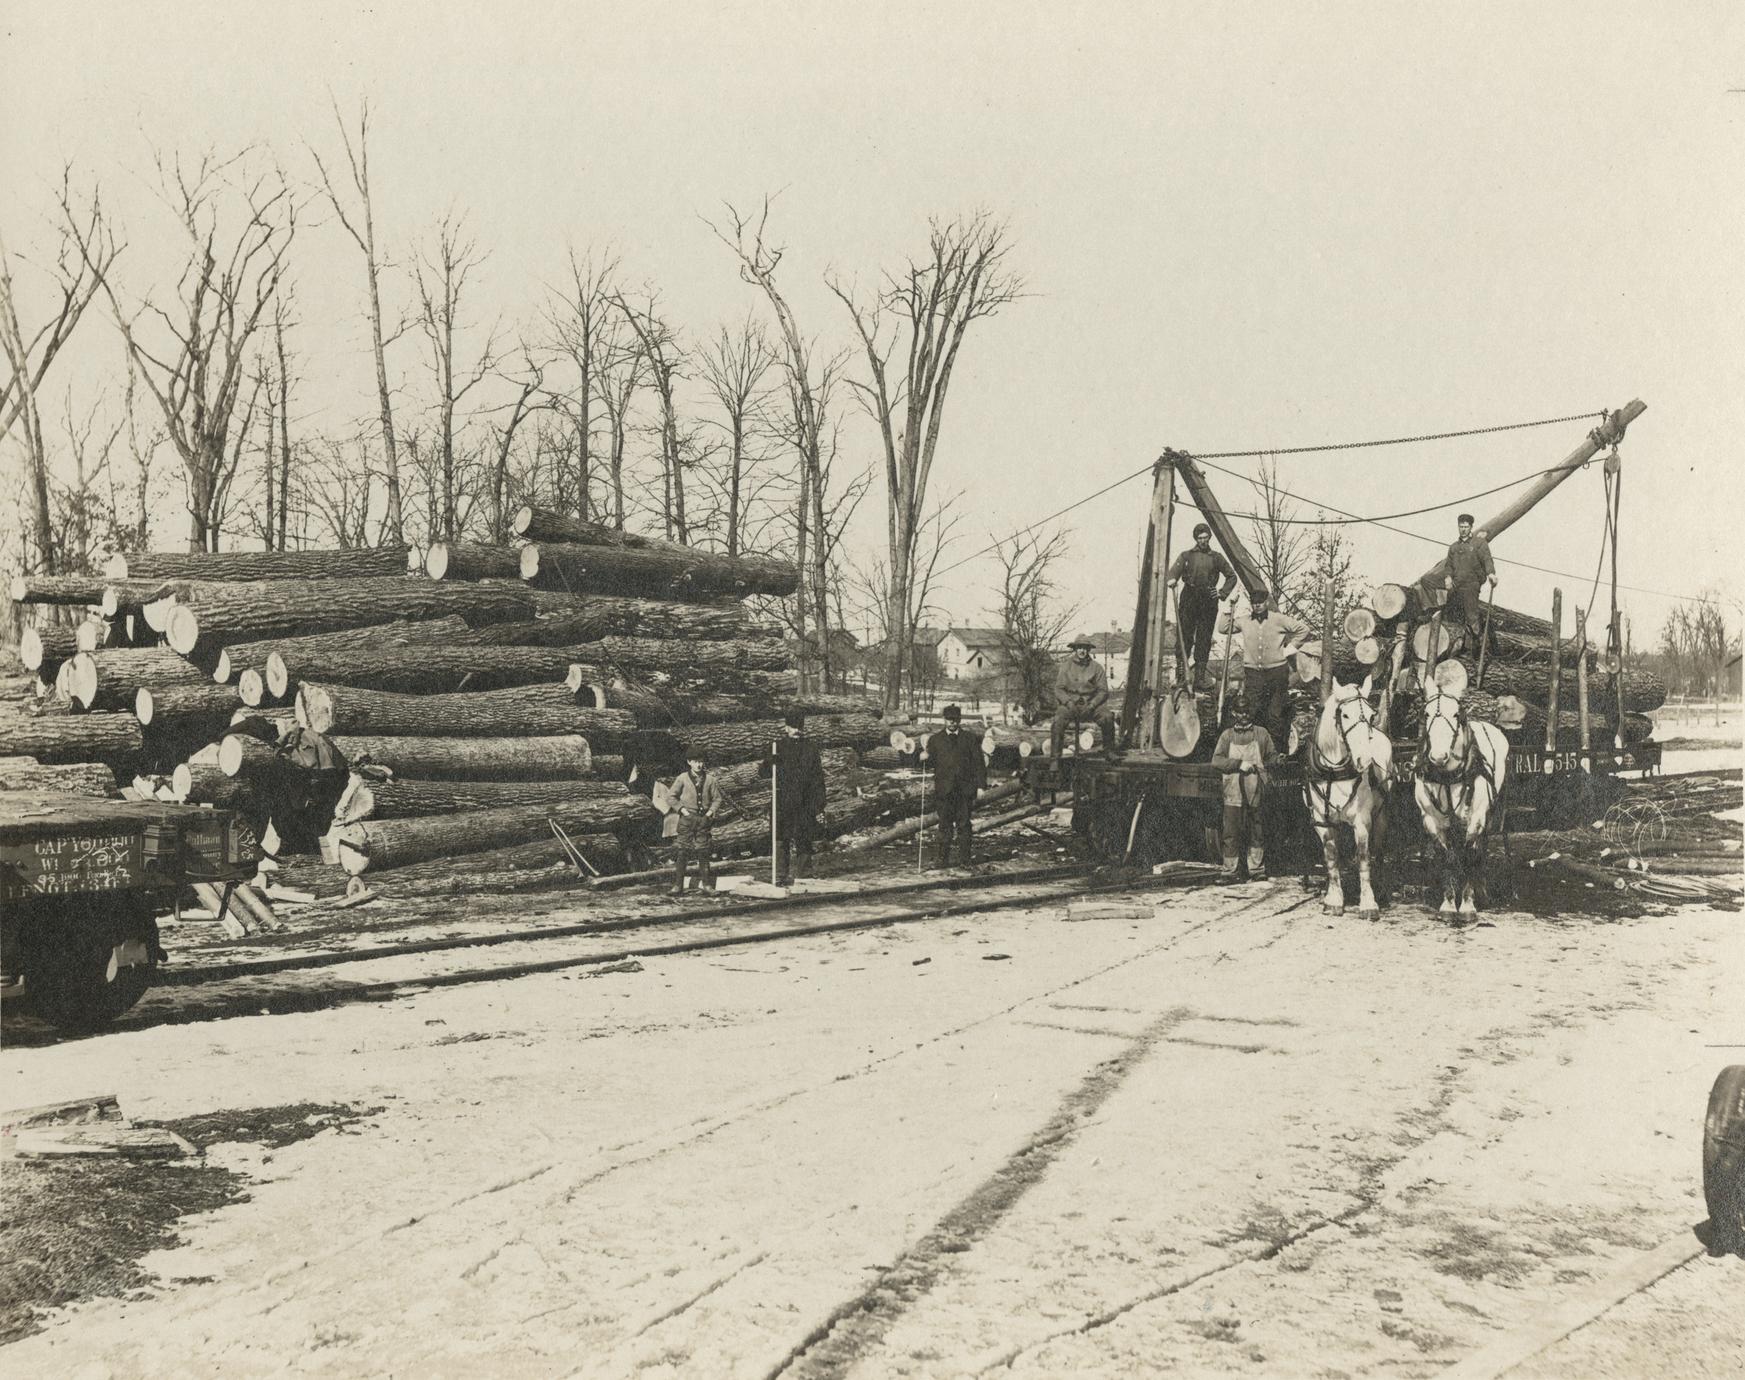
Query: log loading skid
{"x": 1156, "y": 801}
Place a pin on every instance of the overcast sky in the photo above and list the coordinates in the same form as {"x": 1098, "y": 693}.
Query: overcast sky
{"x": 1241, "y": 227}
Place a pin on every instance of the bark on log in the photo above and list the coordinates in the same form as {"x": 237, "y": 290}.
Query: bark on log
{"x": 113, "y": 678}
{"x": 252, "y": 656}
{"x": 1643, "y": 690}
{"x": 684, "y": 574}
{"x": 457, "y": 560}
{"x": 547, "y": 525}
{"x": 354, "y": 563}
{"x": 740, "y": 742}
{"x": 530, "y": 867}
{"x": 214, "y": 616}
{"x": 73, "y": 778}
{"x": 418, "y": 668}
{"x": 698, "y": 661}
{"x": 1524, "y": 722}
{"x": 59, "y": 738}
{"x": 911, "y": 827}
{"x": 561, "y": 758}
{"x": 589, "y": 617}
{"x": 122, "y": 597}
{"x": 666, "y": 708}
{"x": 366, "y": 798}
{"x": 244, "y": 755}
{"x": 208, "y": 785}
{"x": 527, "y": 709}
{"x": 43, "y": 648}
{"x": 185, "y": 709}
{"x": 840, "y": 765}
{"x": 393, "y": 842}
{"x": 57, "y": 589}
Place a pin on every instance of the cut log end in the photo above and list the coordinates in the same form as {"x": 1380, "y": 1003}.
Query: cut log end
{"x": 30, "y": 653}
{"x": 315, "y": 708}
{"x": 144, "y": 706}
{"x": 1389, "y": 601}
{"x": 91, "y": 634}
{"x": 20, "y": 589}
{"x": 1367, "y": 650}
{"x": 436, "y": 561}
{"x": 529, "y": 557}
{"x": 82, "y": 680}
{"x": 1359, "y": 624}
{"x": 115, "y": 568}
{"x": 182, "y": 779}
{"x": 251, "y": 688}
{"x": 522, "y": 520}
{"x": 278, "y": 675}
{"x": 183, "y": 629}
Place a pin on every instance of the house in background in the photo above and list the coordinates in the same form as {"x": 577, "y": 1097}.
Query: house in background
{"x": 971, "y": 653}
{"x": 1111, "y": 649}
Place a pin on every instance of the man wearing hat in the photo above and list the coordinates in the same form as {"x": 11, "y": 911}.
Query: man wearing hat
{"x": 1469, "y": 566}
{"x": 958, "y": 773}
{"x": 1270, "y": 639}
{"x": 696, "y": 800}
{"x": 1197, "y": 572}
{"x": 1081, "y": 695}
{"x": 799, "y": 785}
{"x": 1245, "y": 754}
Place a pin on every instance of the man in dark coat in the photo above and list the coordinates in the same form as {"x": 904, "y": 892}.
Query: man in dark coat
{"x": 958, "y": 773}
{"x": 1197, "y": 572}
{"x": 799, "y": 784}
{"x": 1469, "y": 567}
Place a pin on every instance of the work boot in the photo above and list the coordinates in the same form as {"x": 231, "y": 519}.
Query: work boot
{"x": 1202, "y": 678}
{"x": 1231, "y": 870}
{"x": 1257, "y": 864}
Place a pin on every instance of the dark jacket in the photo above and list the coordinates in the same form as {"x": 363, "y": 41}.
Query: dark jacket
{"x": 958, "y": 768}
{"x": 800, "y": 787}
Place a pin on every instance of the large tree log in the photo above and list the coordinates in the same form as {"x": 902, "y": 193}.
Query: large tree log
{"x": 740, "y": 742}
{"x": 354, "y": 563}
{"x": 536, "y": 866}
{"x": 683, "y": 573}
{"x": 527, "y": 709}
{"x": 44, "y": 647}
{"x": 73, "y": 778}
{"x": 212, "y": 616}
{"x": 57, "y": 589}
{"x": 418, "y": 668}
{"x": 457, "y": 560}
{"x": 252, "y": 656}
{"x": 698, "y": 661}
{"x": 366, "y": 798}
{"x": 56, "y": 738}
{"x": 201, "y": 710}
{"x": 113, "y": 678}
{"x": 561, "y": 758}
{"x": 1530, "y": 681}
{"x": 665, "y": 708}
{"x": 244, "y": 755}
{"x": 840, "y": 765}
{"x": 209, "y": 785}
{"x": 1523, "y": 722}
{"x": 393, "y": 842}
{"x": 589, "y": 617}
{"x": 547, "y": 525}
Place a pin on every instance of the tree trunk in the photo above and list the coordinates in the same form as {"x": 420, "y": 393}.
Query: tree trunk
{"x": 698, "y": 660}
{"x": 72, "y": 778}
{"x": 42, "y": 649}
{"x": 57, "y": 589}
{"x": 562, "y": 758}
{"x": 110, "y": 679}
{"x": 1531, "y": 681}
{"x": 665, "y": 708}
{"x": 527, "y": 867}
{"x": 185, "y": 709}
{"x": 215, "y": 615}
{"x": 59, "y": 738}
{"x": 368, "y": 799}
{"x": 209, "y": 785}
{"x": 418, "y": 669}
{"x": 254, "y": 656}
{"x": 455, "y": 560}
{"x": 395, "y": 842}
{"x": 573, "y": 620}
{"x": 546, "y": 525}
{"x": 684, "y": 574}
{"x": 528, "y": 709}
{"x": 353, "y": 563}
{"x": 740, "y": 742}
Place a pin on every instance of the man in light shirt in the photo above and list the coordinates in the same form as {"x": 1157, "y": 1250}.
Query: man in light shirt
{"x": 1270, "y": 638}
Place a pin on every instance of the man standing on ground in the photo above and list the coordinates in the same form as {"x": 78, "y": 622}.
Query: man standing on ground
{"x": 1269, "y": 641}
{"x": 799, "y": 786}
{"x": 1081, "y": 695}
{"x": 1469, "y": 566}
{"x": 1197, "y": 571}
{"x": 958, "y": 773}
{"x": 1245, "y": 754}
{"x": 696, "y": 799}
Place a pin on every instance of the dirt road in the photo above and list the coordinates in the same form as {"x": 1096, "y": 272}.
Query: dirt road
{"x": 1233, "y": 1136}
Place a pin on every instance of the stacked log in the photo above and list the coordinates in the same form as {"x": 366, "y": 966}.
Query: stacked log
{"x": 394, "y": 842}
{"x": 667, "y": 571}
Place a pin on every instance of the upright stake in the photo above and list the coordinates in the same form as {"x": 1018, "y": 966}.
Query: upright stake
{"x": 775, "y": 771}
{"x": 921, "y": 832}
{"x": 1551, "y": 693}
{"x": 1327, "y": 642}
{"x": 1224, "y": 677}
{"x": 1163, "y": 515}
{"x": 1587, "y": 760}
{"x": 1615, "y": 649}
{"x": 1396, "y": 663}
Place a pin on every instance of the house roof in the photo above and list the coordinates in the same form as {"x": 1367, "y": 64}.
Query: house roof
{"x": 978, "y": 637}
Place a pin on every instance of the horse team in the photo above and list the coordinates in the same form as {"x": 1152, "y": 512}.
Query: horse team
{"x": 1458, "y": 773}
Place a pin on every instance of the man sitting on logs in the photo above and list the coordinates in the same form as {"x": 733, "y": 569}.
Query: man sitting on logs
{"x": 958, "y": 773}
{"x": 1245, "y": 754}
{"x": 799, "y": 786}
{"x": 1269, "y": 641}
{"x": 1198, "y": 571}
{"x": 1469, "y": 566}
{"x": 696, "y": 799}
{"x": 1081, "y": 696}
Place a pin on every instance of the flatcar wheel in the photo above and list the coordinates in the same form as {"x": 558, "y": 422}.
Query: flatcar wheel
{"x": 1724, "y": 1158}
{"x": 81, "y": 976}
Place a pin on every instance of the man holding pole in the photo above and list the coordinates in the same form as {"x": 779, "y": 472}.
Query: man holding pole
{"x": 958, "y": 773}
{"x": 1198, "y": 571}
{"x": 796, "y": 772}
{"x": 1469, "y": 566}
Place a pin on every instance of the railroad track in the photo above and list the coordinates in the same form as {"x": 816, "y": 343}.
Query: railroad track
{"x": 318, "y": 981}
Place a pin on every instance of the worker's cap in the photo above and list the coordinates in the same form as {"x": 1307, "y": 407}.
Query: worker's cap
{"x": 698, "y": 756}
{"x": 1239, "y": 705}
{"x": 1260, "y": 596}
{"x": 794, "y": 720}
{"x": 952, "y": 713}
{"x": 1200, "y": 529}
{"x": 1465, "y": 517}
{"x": 1083, "y": 640}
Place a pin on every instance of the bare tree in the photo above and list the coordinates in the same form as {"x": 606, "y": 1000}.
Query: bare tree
{"x": 531, "y": 380}
{"x": 1279, "y": 540}
{"x": 929, "y": 306}
{"x": 734, "y": 365}
{"x": 666, "y": 362}
{"x": 620, "y": 371}
{"x": 1032, "y": 617}
{"x": 580, "y": 317}
{"x": 85, "y": 252}
{"x": 441, "y": 274}
{"x": 338, "y": 497}
{"x": 919, "y": 661}
{"x": 360, "y": 224}
{"x": 195, "y": 362}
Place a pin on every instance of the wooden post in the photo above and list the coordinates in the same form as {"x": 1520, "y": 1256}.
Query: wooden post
{"x": 1587, "y": 761}
{"x": 1396, "y": 663}
{"x": 1551, "y": 693}
{"x": 1615, "y": 651}
{"x": 775, "y": 772}
{"x": 1162, "y": 510}
{"x": 1327, "y": 642}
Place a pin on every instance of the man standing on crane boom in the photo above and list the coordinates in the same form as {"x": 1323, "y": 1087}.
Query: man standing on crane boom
{"x": 1469, "y": 566}
{"x": 1198, "y": 570}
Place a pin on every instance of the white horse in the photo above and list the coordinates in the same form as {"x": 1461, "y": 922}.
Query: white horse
{"x": 1345, "y": 784}
{"x": 1458, "y": 778}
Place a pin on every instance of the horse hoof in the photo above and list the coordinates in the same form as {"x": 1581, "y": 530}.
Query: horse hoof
{"x": 1372, "y": 913}
{"x": 1331, "y": 910}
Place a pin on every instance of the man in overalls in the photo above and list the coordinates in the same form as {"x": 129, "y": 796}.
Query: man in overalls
{"x": 1245, "y": 754}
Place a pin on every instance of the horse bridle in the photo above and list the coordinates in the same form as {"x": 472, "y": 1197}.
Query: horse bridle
{"x": 1466, "y": 775}
{"x": 1320, "y": 778}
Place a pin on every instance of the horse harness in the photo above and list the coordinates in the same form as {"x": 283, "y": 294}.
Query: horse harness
{"x": 1319, "y": 779}
{"x": 1466, "y": 776}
